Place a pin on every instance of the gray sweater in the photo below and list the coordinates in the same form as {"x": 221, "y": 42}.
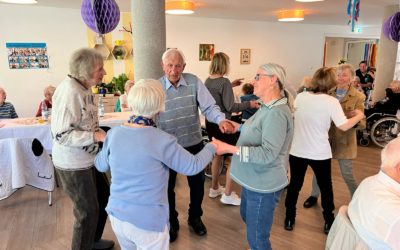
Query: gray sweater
{"x": 221, "y": 89}
{"x": 264, "y": 145}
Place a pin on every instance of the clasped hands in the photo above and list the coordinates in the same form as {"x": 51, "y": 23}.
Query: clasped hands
{"x": 226, "y": 127}
{"x": 229, "y": 127}
{"x": 222, "y": 148}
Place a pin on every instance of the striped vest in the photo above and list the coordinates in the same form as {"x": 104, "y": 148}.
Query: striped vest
{"x": 181, "y": 115}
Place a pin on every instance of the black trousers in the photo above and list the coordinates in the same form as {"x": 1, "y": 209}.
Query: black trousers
{"x": 322, "y": 171}
{"x": 196, "y": 185}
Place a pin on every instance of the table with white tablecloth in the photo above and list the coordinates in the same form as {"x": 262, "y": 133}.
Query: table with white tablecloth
{"x": 36, "y": 128}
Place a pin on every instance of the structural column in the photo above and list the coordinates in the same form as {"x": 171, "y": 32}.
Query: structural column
{"x": 149, "y": 37}
{"x": 386, "y": 59}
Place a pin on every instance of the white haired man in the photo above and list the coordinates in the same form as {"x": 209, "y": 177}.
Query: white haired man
{"x": 375, "y": 207}
{"x": 185, "y": 94}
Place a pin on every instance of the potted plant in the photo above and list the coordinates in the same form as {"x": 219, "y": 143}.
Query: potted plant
{"x": 119, "y": 54}
{"x": 119, "y": 82}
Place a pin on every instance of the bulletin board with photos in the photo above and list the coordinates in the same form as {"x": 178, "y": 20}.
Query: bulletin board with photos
{"x": 27, "y": 55}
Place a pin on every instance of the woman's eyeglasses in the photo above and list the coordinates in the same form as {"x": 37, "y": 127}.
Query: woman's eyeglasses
{"x": 258, "y": 76}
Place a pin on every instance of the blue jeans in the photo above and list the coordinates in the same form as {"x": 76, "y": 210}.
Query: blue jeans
{"x": 257, "y": 211}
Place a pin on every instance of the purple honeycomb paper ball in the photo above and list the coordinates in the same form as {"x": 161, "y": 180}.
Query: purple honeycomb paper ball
{"x": 101, "y": 16}
{"x": 391, "y": 27}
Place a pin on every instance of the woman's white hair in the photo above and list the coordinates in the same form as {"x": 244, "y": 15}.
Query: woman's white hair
{"x": 146, "y": 98}
{"x": 390, "y": 156}
{"x": 277, "y": 70}
{"x": 83, "y": 63}
{"x": 49, "y": 90}
{"x": 169, "y": 52}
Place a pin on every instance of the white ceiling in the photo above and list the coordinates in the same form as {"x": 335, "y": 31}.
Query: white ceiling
{"x": 327, "y": 12}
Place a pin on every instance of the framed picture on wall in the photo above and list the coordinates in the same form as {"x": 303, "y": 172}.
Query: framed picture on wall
{"x": 245, "y": 56}
{"x": 206, "y": 52}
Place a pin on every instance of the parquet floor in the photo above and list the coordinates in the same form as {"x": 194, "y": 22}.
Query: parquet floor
{"x": 27, "y": 222}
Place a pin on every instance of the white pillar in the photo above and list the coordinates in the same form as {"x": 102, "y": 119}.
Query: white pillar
{"x": 386, "y": 59}
{"x": 149, "y": 37}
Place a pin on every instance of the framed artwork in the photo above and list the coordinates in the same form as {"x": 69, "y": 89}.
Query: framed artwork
{"x": 245, "y": 56}
{"x": 206, "y": 52}
{"x": 27, "y": 55}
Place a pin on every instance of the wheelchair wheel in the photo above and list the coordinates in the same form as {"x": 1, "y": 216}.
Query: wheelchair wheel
{"x": 384, "y": 130}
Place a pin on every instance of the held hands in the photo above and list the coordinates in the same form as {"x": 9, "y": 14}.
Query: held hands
{"x": 222, "y": 147}
{"x": 99, "y": 135}
{"x": 228, "y": 127}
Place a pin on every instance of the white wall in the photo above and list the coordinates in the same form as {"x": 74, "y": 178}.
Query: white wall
{"x": 298, "y": 47}
{"x": 61, "y": 29}
{"x": 334, "y": 51}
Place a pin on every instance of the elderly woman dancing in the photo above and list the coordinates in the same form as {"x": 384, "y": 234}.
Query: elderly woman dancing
{"x": 76, "y": 137}
{"x": 314, "y": 112}
{"x": 260, "y": 155}
{"x": 139, "y": 157}
{"x": 344, "y": 143}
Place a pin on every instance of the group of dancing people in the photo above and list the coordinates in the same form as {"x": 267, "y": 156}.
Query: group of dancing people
{"x": 163, "y": 137}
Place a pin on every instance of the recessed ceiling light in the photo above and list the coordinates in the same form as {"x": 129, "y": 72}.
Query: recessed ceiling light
{"x": 291, "y": 15}
{"x": 179, "y": 7}
{"x": 19, "y": 1}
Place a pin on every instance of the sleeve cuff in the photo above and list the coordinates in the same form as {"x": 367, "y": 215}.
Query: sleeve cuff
{"x": 243, "y": 153}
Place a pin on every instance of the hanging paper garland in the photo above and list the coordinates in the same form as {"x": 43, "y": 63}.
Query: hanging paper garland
{"x": 353, "y": 11}
{"x": 391, "y": 27}
{"x": 101, "y": 16}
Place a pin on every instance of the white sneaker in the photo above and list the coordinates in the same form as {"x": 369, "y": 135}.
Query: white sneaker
{"x": 232, "y": 199}
{"x": 216, "y": 192}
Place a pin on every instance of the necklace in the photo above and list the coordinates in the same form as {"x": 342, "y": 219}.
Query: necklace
{"x": 141, "y": 120}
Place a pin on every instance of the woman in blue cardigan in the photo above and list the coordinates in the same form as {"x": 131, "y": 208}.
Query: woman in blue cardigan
{"x": 139, "y": 156}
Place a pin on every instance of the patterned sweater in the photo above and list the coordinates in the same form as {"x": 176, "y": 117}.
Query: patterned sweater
{"x": 73, "y": 123}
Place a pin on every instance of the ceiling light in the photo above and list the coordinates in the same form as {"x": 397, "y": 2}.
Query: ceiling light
{"x": 19, "y": 1}
{"x": 179, "y": 7}
{"x": 291, "y": 15}
{"x": 307, "y": 1}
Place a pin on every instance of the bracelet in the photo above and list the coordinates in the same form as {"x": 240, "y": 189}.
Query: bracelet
{"x": 238, "y": 152}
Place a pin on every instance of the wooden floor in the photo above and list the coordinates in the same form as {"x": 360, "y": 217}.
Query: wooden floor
{"x": 27, "y": 222}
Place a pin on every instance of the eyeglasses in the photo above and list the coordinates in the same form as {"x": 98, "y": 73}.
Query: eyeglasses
{"x": 258, "y": 76}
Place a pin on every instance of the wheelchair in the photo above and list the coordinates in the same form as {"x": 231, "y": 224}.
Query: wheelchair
{"x": 381, "y": 128}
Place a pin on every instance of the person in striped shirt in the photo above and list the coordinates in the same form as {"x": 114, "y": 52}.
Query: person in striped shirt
{"x": 7, "y": 110}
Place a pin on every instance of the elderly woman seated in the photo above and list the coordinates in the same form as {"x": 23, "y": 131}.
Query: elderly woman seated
{"x": 7, "y": 110}
{"x": 390, "y": 104}
{"x": 122, "y": 103}
{"x": 48, "y": 96}
{"x": 139, "y": 156}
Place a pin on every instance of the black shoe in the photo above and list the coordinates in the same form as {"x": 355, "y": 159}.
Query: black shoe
{"x": 327, "y": 227}
{"x": 310, "y": 202}
{"x": 197, "y": 226}
{"x": 173, "y": 234}
{"x": 289, "y": 224}
{"x": 103, "y": 245}
{"x": 173, "y": 230}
